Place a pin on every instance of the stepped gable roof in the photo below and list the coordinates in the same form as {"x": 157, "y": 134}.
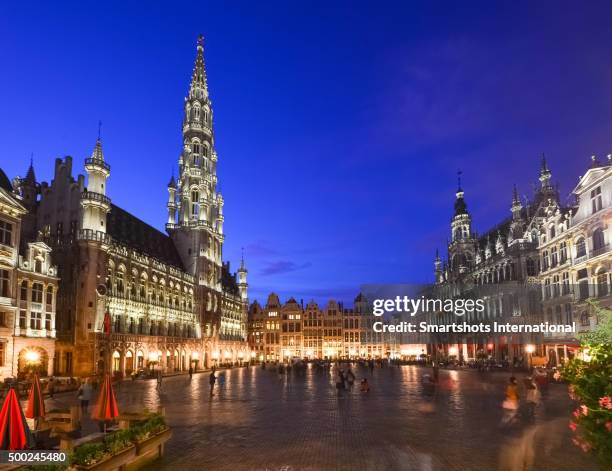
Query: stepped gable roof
{"x": 137, "y": 234}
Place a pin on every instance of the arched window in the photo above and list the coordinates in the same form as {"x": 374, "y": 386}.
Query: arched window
{"x": 580, "y": 248}
{"x": 196, "y": 148}
{"x": 553, "y": 232}
{"x": 196, "y": 113}
{"x": 38, "y": 265}
{"x": 119, "y": 282}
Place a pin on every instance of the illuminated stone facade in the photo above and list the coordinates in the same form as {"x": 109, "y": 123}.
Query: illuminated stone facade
{"x": 28, "y": 289}
{"x": 132, "y": 297}
{"x": 285, "y": 332}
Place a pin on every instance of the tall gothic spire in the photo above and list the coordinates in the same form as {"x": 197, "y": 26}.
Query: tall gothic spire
{"x": 460, "y": 204}
{"x": 545, "y": 173}
{"x": 198, "y": 78}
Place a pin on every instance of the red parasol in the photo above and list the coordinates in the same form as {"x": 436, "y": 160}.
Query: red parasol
{"x": 35, "y": 408}
{"x": 106, "y": 409}
{"x": 14, "y": 431}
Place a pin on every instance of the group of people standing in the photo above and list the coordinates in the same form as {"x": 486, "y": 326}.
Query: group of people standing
{"x": 512, "y": 403}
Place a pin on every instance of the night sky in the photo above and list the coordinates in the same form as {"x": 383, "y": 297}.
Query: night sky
{"x": 339, "y": 128}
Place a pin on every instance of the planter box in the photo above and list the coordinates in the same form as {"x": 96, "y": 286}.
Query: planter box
{"x": 112, "y": 463}
{"x": 153, "y": 443}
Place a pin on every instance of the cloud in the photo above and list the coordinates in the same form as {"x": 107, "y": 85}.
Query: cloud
{"x": 283, "y": 266}
{"x": 260, "y": 248}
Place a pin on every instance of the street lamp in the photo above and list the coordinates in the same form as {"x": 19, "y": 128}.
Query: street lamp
{"x": 529, "y": 349}
{"x": 32, "y": 358}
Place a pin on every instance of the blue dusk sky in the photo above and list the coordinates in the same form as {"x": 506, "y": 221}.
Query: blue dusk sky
{"x": 339, "y": 125}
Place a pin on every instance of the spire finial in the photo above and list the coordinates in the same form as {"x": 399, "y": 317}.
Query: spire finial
{"x": 200, "y": 41}
{"x": 459, "y": 173}
{"x": 31, "y": 159}
{"x": 99, "y": 129}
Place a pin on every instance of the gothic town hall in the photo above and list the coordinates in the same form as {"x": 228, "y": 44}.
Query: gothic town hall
{"x": 130, "y": 297}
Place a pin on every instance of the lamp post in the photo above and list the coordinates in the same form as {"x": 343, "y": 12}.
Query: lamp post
{"x": 529, "y": 349}
{"x": 32, "y": 359}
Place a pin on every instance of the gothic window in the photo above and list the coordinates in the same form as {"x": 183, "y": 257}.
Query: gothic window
{"x": 598, "y": 239}
{"x": 119, "y": 282}
{"x": 195, "y": 205}
{"x": 545, "y": 260}
{"x": 196, "y": 147}
{"x": 563, "y": 253}
{"x": 205, "y": 151}
{"x": 196, "y": 113}
{"x": 596, "y": 199}
{"x": 531, "y": 267}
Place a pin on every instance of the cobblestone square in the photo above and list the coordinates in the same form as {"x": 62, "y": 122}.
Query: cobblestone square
{"x": 261, "y": 420}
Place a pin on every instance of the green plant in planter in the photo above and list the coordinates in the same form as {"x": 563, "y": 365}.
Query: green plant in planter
{"x": 118, "y": 441}
{"x": 88, "y": 454}
{"x": 153, "y": 425}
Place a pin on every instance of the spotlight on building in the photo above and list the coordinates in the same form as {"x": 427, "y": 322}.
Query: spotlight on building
{"x": 530, "y": 348}
{"x": 452, "y": 351}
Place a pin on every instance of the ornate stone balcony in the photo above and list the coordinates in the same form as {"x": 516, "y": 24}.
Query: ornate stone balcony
{"x": 97, "y": 236}
{"x": 96, "y": 197}
{"x": 97, "y": 163}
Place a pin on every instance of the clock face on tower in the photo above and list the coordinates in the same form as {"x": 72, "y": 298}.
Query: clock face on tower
{"x": 101, "y": 290}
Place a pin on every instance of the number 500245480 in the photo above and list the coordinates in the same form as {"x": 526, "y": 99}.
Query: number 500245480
{"x": 33, "y": 457}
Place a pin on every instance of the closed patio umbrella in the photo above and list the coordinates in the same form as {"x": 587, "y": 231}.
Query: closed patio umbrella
{"x": 35, "y": 408}
{"x": 106, "y": 409}
{"x": 14, "y": 431}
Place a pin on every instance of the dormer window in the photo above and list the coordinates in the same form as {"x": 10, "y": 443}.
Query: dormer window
{"x": 596, "y": 203}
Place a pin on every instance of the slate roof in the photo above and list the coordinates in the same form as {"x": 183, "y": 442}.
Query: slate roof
{"x": 131, "y": 231}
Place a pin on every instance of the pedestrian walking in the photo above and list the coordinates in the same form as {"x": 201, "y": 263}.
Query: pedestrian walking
{"x": 190, "y": 372}
{"x": 212, "y": 379}
{"x": 84, "y": 395}
{"x": 532, "y": 397}
{"x": 350, "y": 377}
{"x": 159, "y": 380}
{"x": 51, "y": 387}
{"x": 511, "y": 402}
{"x": 340, "y": 384}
